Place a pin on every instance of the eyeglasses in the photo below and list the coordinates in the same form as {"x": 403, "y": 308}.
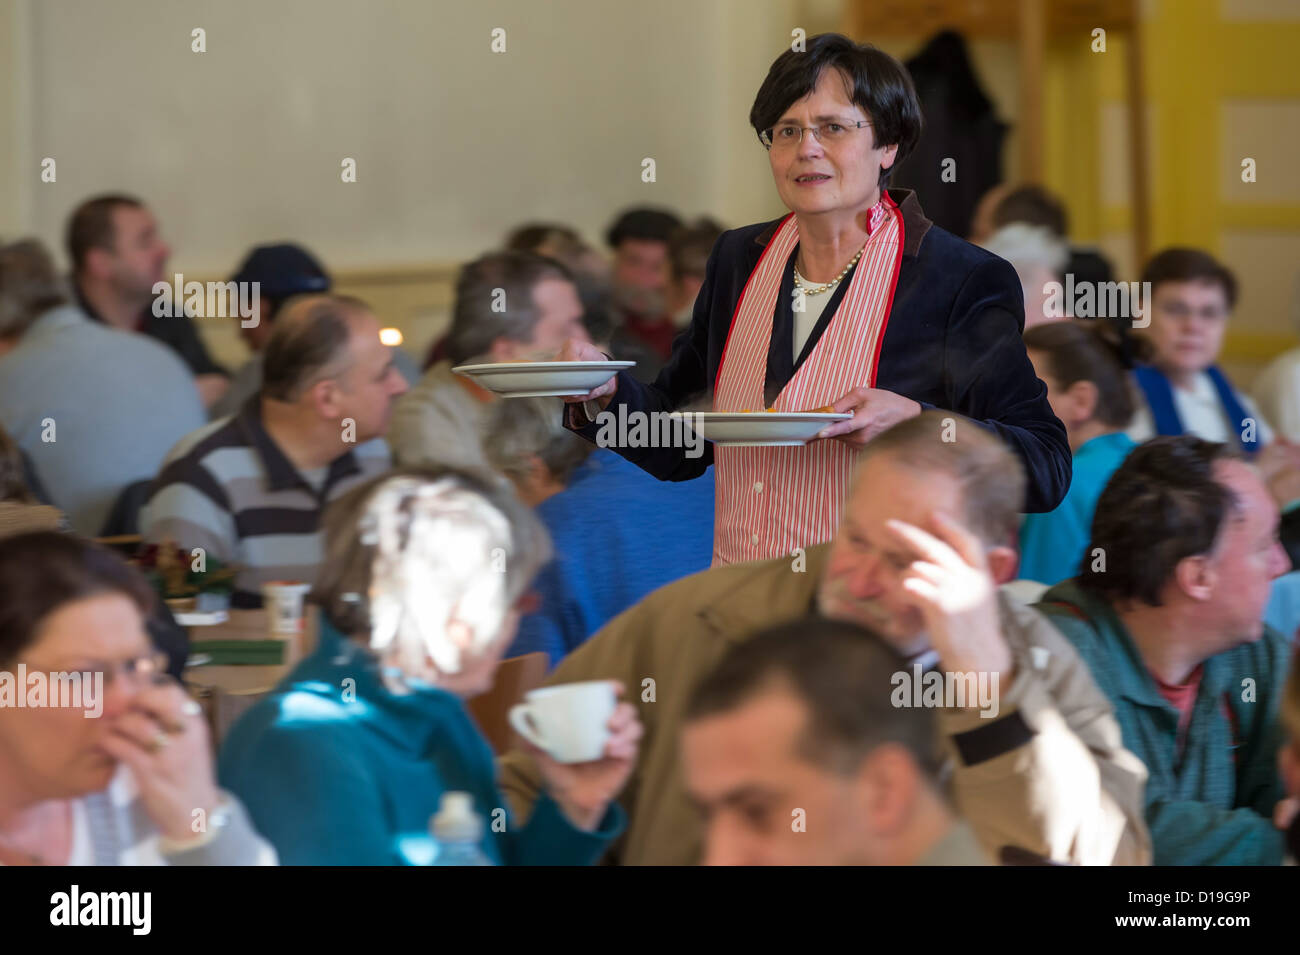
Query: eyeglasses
{"x": 788, "y": 135}
{"x": 139, "y": 670}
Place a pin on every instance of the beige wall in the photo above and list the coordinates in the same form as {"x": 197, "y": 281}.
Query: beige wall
{"x": 454, "y": 144}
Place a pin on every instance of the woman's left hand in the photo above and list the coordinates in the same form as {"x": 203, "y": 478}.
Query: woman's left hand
{"x": 874, "y": 410}
{"x": 584, "y": 790}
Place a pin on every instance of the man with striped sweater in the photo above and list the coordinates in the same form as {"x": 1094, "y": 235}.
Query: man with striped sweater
{"x": 250, "y": 488}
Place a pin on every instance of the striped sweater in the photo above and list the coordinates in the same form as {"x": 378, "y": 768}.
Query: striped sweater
{"x": 228, "y": 489}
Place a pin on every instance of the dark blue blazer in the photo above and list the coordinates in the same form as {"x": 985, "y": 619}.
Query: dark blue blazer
{"x": 953, "y": 342}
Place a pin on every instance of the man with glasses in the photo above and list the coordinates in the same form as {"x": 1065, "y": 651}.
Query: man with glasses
{"x": 854, "y": 301}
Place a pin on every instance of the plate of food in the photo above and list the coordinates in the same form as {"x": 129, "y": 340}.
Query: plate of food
{"x": 746, "y": 429}
{"x": 542, "y": 379}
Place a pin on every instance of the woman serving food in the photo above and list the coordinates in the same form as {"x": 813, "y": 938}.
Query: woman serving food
{"x": 854, "y": 300}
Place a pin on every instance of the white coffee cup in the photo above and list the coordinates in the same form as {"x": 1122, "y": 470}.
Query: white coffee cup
{"x": 567, "y": 721}
{"x": 283, "y": 602}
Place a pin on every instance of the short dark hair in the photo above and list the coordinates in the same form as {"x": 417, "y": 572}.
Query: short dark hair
{"x": 311, "y": 336}
{"x": 690, "y": 245}
{"x": 875, "y": 81}
{"x": 1190, "y": 265}
{"x": 1163, "y": 504}
{"x": 91, "y": 226}
{"x": 650, "y": 225}
{"x": 1034, "y": 205}
{"x": 843, "y": 674}
{"x": 474, "y": 324}
{"x": 1092, "y": 350}
{"x": 29, "y": 286}
{"x": 41, "y": 571}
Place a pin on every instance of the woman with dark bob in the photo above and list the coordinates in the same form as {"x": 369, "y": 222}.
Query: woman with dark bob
{"x": 854, "y": 300}
{"x": 344, "y": 764}
{"x": 105, "y": 760}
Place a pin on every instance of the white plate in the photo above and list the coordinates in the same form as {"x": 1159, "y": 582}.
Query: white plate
{"x": 745, "y": 429}
{"x": 542, "y": 379}
{"x": 192, "y": 618}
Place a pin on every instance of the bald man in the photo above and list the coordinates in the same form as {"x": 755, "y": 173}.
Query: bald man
{"x": 250, "y": 488}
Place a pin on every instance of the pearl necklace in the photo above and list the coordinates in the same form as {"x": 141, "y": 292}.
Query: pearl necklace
{"x": 809, "y": 290}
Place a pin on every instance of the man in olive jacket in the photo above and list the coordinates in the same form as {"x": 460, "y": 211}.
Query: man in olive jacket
{"x": 1039, "y": 767}
{"x": 1167, "y": 614}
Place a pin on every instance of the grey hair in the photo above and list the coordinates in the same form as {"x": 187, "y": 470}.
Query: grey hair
{"x": 523, "y": 428}
{"x": 403, "y": 549}
{"x": 29, "y": 286}
{"x": 1023, "y": 245}
{"x": 494, "y": 299}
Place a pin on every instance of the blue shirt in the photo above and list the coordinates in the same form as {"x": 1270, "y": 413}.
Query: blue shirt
{"x": 117, "y": 402}
{"x": 1053, "y": 544}
{"x": 336, "y": 769}
{"x": 618, "y": 534}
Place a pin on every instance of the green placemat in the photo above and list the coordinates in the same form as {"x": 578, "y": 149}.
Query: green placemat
{"x": 240, "y": 652}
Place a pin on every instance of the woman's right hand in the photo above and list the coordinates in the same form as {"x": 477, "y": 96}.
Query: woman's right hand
{"x": 583, "y": 791}
{"x": 576, "y": 349}
{"x": 163, "y": 740}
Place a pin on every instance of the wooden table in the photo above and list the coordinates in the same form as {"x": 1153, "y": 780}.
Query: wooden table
{"x": 226, "y": 691}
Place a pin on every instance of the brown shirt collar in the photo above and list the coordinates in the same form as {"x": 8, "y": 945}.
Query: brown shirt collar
{"x": 915, "y": 224}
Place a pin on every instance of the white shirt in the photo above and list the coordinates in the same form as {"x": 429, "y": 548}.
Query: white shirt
{"x": 806, "y": 320}
{"x": 1277, "y": 389}
{"x": 1202, "y": 415}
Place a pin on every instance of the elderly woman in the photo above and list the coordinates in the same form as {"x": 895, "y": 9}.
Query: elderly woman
{"x": 893, "y": 315}
{"x": 110, "y": 764}
{"x": 344, "y": 764}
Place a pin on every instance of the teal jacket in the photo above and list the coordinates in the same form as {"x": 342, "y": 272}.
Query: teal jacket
{"x": 1215, "y": 805}
{"x": 1053, "y": 544}
{"x": 335, "y": 769}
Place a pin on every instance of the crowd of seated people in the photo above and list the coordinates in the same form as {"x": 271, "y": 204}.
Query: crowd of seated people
{"x": 1131, "y": 707}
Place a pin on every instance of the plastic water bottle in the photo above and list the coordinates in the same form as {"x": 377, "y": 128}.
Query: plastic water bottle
{"x": 458, "y": 831}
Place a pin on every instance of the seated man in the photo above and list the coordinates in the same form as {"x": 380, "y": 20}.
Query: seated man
{"x": 250, "y": 489}
{"x": 917, "y": 558}
{"x": 118, "y": 256}
{"x": 1167, "y": 614}
{"x": 605, "y": 516}
{"x": 281, "y": 272}
{"x": 641, "y": 276}
{"x": 796, "y": 754}
{"x": 510, "y": 306}
{"x": 94, "y": 408}
{"x": 689, "y": 248}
